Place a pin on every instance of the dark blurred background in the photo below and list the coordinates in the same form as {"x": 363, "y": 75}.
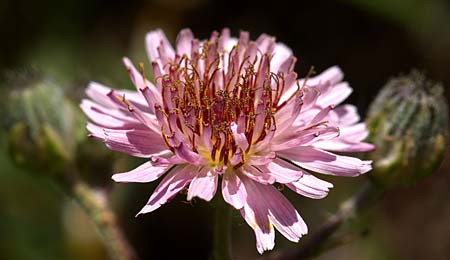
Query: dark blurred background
{"x": 75, "y": 41}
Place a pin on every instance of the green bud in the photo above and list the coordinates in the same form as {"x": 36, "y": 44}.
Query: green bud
{"x": 408, "y": 123}
{"x": 43, "y": 125}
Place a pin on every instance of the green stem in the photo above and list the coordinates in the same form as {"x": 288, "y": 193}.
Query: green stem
{"x": 95, "y": 204}
{"x": 222, "y": 228}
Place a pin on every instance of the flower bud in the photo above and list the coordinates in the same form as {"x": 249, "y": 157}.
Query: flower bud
{"x": 408, "y": 124}
{"x": 43, "y": 125}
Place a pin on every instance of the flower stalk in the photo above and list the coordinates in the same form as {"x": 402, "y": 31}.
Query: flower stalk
{"x": 222, "y": 230}
{"x": 95, "y": 204}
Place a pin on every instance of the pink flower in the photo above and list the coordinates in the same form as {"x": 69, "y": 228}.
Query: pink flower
{"x": 231, "y": 111}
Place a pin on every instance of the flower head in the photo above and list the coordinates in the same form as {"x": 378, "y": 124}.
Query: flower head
{"x": 232, "y": 111}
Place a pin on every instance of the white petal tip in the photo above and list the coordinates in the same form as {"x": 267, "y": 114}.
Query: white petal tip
{"x": 146, "y": 209}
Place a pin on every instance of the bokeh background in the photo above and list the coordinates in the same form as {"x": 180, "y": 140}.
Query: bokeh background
{"x": 75, "y": 41}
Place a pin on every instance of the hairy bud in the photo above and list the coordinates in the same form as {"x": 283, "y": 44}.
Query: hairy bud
{"x": 408, "y": 123}
{"x": 43, "y": 125}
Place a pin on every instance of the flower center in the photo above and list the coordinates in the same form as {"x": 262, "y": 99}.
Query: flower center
{"x": 212, "y": 96}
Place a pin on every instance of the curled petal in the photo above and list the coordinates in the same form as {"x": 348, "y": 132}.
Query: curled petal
{"x": 310, "y": 186}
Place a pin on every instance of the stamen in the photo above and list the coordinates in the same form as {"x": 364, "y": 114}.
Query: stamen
{"x": 190, "y": 94}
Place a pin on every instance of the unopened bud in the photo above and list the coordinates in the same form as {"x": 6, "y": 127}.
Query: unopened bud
{"x": 408, "y": 124}
{"x": 43, "y": 125}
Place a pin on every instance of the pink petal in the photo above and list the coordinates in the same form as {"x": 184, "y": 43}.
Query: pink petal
{"x": 265, "y": 43}
{"x": 287, "y": 115}
{"x": 347, "y": 114}
{"x": 257, "y": 174}
{"x": 264, "y": 240}
{"x": 256, "y": 215}
{"x": 172, "y": 183}
{"x": 233, "y": 190}
{"x": 284, "y": 216}
{"x": 282, "y": 173}
{"x": 185, "y": 153}
{"x": 165, "y": 159}
{"x": 281, "y": 54}
{"x": 310, "y": 186}
{"x": 261, "y": 159}
{"x": 226, "y": 43}
{"x": 350, "y": 140}
{"x": 99, "y": 93}
{"x": 151, "y": 93}
{"x": 339, "y": 145}
{"x": 151, "y": 96}
{"x": 122, "y": 102}
{"x": 266, "y": 201}
{"x": 336, "y": 95}
{"x": 327, "y": 163}
{"x": 239, "y": 138}
{"x": 136, "y": 77}
{"x": 106, "y": 117}
{"x": 144, "y": 173}
{"x": 204, "y": 185}
{"x": 155, "y": 39}
{"x": 139, "y": 143}
{"x": 184, "y": 42}
{"x": 305, "y": 137}
{"x": 354, "y": 133}
{"x": 321, "y": 115}
{"x": 310, "y": 96}
{"x": 331, "y": 75}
